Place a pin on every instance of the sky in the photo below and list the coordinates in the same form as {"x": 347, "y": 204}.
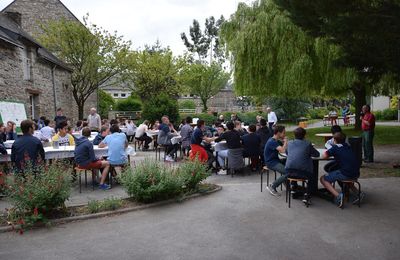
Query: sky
{"x": 146, "y": 21}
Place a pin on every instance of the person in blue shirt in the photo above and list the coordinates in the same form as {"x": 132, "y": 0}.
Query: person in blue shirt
{"x": 116, "y": 143}
{"x": 197, "y": 148}
{"x": 349, "y": 168}
{"x": 86, "y": 159}
{"x": 251, "y": 147}
{"x": 275, "y": 145}
{"x": 27, "y": 149}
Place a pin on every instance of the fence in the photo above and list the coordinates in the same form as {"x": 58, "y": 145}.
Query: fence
{"x": 132, "y": 115}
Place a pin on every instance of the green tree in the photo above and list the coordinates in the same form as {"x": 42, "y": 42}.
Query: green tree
{"x": 95, "y": 55}
{"x": 366, "y": 31}
{"x": 187, "y": 104}
{"x": 155, "y": 70}
{"x": 129, "y": 104}
{"x": 105, "y": 103}
{"x": 159, "y": 106}
{"x": 205, "y": 44}
{"x": 205, "y": 80}
{"x": 273, "y": 57}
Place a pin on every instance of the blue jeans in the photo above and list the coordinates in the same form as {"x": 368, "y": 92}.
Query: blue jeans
{"x": 279, "y": 167}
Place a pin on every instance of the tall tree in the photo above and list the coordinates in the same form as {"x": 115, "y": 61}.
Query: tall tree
{"x": 155, "y": 70}
{"x": 205, "y": 44}
{"x": 95, "y": 55}
{"x": 368, "y": 34}
{"x": 205, "y": 80}
{"x": 271, "y": 56}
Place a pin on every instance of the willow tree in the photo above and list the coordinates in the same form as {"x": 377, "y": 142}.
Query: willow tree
{"x": 271, "y": 56}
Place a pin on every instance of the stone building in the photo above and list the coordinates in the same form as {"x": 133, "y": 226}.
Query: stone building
{"x": 29, "y": 73}
{"x": 32, "y": 15}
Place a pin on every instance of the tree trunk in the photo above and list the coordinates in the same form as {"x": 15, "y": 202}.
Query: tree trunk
{"x": 81, "y": 106}
{"x": 204, "y": 102}
{"x": 359, "y": 91}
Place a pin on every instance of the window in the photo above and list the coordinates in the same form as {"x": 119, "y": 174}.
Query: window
{"x": 115, "y": 94}
{"x": 33, "y": 105}
{"x": 26, "y": 63}
{"x": 123, "y": 95}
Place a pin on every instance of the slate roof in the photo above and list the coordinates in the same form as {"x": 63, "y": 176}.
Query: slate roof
{"x": 13, "y": 34}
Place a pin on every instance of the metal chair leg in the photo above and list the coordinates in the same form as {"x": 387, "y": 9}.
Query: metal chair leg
{"x": 262, "y": 172}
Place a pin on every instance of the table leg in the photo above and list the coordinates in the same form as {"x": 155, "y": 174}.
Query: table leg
{"x": 313, "y": 182}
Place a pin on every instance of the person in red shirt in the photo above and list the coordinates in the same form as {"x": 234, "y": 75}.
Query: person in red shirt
{"x": 368, "y": 128}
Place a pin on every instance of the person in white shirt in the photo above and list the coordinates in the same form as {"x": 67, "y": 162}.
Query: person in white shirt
{"x": 130, "y": 130}
{"x": 47, "y": 131}
{"x": 272, "y": 119}
{"x": 94, "y": 120}
{"x": 141, "y": 134}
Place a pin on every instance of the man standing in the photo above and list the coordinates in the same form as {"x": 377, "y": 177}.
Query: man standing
{"x": 272, "y": 119}
{"x": 368, "y": 128}
{"x": 26, "y": 148}
{"x": 59, "y": 118}
{"x": 94, "y": 120}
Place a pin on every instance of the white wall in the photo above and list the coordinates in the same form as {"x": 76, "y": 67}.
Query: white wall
{"x": 380, "y": 103}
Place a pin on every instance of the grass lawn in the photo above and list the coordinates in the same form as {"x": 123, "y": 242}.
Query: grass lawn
{"x": 383, "y": 134}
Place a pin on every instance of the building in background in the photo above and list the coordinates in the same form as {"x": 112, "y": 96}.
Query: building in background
{"x": 30, "y": 16}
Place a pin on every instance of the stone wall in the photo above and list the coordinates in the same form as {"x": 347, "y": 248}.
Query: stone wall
{"x": 37, "y": 12}
{"x": 14, "y": 87}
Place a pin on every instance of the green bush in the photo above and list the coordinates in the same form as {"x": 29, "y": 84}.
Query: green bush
{"x": 160, "y": 105}
{"x": 387, "y": 114}
{"x": 38, "y": 192}
{"x": 152, "y": 181}
{"x": 108, "y": 204}
{"x": 192, "y": 173}
{"x": 208, "y": 119}
{"x": 317, "y": 113}
{"x": 187, "y": 104}
{"x": 105, "y": 102}
{"x": 129, "y": 104}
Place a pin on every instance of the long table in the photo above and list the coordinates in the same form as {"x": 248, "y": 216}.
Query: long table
{"x": 61, "y": 153}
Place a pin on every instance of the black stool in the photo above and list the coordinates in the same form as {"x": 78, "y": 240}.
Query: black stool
{"x": 289, "y": 188}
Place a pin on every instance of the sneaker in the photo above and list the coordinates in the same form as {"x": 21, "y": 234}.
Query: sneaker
{"x": 169, "y": 159}
{"x": 306, "y": 200}
{"x": 273, "y": 191}
{"x": 222, "y": 172}
{"x": 359, "y": 198}
{"x": 104, "y": 186}
{"x": 339, "y": 200}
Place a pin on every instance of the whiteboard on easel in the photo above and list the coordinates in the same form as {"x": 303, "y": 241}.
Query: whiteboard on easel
{"x": 12, "y": 111}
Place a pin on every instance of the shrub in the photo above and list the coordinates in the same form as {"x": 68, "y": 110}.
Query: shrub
{"x": 129, "y": 104}
{"x": 38, "y": 192}
{"x": 108, "y": 204}
{"x": 160, "y": 105}
{"x": 187, "y": 104}
{"x": 151, "y": 181}
{"x": 105, "y": 101}
{"x": 289, "y": 108}
{"x": 209, "y": 119}
{"x": 387, "y": 114}
{"x": 317, "y": 113}
{"x": 192, "y": 173}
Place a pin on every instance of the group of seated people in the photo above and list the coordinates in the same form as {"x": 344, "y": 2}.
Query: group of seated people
{"x": 298, "y": 163}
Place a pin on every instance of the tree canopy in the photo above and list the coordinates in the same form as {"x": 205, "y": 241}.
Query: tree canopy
{"x": 271, "y": 56}
{"x": 95, "y": 55}
{"x": 205, "y": 80}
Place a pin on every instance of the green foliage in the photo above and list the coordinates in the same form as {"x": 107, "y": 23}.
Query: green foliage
{"x": 187, "y": 104}
{"x": 205, "y": 80}
{"x": 155, "y": 70}
{"x": 160, "y": 105}
{"x": 202, "y": 43}
{"x": 386, "y": 115}
{"x": 152, "y": 181}
{"x": 105, "y": 102}
{"x": 289, "y": 108}
{"x": 317, "y": 113}
{"x": 36, "y": 194}
{"x": 95, "y": 55}
{"x": 108, "y": 204}
{"x": 273, "y": 57}
{"x": 208, "y": 119}
{"x": 129, "y": 104}
{"x": 192, "y": 173}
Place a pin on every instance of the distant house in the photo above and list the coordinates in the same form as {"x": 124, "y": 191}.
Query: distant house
{"x": 30, "y": 15}
{"x": 117, "y": 89}
{"x": 29, "y": 73}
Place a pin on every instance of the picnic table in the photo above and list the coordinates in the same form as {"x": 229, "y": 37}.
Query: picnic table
{"x": 327, "y": 136}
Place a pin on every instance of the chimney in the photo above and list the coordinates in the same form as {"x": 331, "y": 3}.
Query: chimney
{"x": 15, "y": 16}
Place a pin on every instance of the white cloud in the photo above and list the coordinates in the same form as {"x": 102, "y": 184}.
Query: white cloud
{"x": 145, "y": 21}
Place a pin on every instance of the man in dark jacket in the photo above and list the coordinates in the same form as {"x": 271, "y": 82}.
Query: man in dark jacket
{"x": 2, "y": 148}
{"x": 264, "y": 133}
{"x": 27, "y": 148}
{"x": 251, "y": 144}
{"x": 86, "y": 159}
{"x": 100, "y": 136}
